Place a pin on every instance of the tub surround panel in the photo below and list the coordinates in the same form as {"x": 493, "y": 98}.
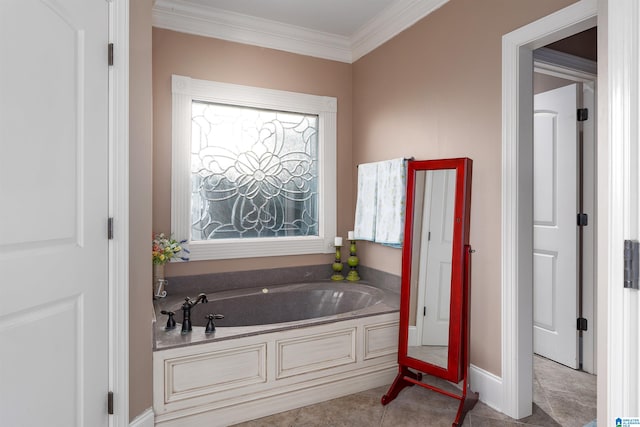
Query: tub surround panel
{"x": 207, "y": 373}
{"x": 316, "y": 352}
{"x": 303, "y": 366}
{"x": 380, "y": 340}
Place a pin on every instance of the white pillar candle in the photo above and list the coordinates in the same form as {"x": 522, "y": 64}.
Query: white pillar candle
{"x": 338, "y": 241}
{"x": 351, "y": 235}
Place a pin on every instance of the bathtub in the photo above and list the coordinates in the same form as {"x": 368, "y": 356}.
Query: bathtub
{"x": 277, "y": 348}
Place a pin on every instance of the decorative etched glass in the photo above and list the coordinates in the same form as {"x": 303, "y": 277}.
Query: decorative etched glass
{"x": 254, "y": 173}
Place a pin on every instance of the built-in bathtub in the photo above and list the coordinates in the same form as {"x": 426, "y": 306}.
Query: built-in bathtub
{"x": 278, "y": 348}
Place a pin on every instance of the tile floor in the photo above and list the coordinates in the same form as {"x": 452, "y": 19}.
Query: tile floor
{"x": 562, "y": 397}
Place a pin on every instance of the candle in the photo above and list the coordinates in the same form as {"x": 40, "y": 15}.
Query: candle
{"x": 351, "y": 235}
{"x": 338, "y": 241}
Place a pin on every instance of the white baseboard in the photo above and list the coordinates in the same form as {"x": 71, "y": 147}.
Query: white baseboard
{"x": 146, "y": 419}
{"x": 488, "y": 385}
{"x": 413, "y": 335}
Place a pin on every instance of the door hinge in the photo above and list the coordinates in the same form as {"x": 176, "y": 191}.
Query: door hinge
{"x": 631, "y": 270}
{"x": 581, "y": 324}
{"x": 429, "y": 236}
{"x": 110, "y": 54}
{"x": 110, "y": 403}
{"x": 583, "y": 114}
{"x": 110, "y": 228}
{"x": 424, "y": 311}
{"x": 583, "y": 220}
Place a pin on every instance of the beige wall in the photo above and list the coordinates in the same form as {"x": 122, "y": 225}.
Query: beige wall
{"x": 544, "y": 82}
{"x": 434, "y": 91}
{"x": 140, "y": 150}
{"x": 217, "y": 60}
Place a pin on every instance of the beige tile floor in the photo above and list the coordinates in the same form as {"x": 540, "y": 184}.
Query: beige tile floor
{"x": 562, "y": 397}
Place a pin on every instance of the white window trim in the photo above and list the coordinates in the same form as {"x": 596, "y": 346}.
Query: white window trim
{"x": 185, "y": 90}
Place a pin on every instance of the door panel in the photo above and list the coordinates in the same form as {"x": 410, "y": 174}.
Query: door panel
{"x": 555, "y": 228}
{"x": 54, "y": 190}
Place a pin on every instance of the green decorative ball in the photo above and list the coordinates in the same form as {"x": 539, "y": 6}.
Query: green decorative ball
{"x": 353, "y": 261}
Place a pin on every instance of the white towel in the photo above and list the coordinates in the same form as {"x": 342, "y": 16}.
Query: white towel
{"x": 380, "y": 202}
{"x": 366, "y": 202}
{"x": 391, "y": 202}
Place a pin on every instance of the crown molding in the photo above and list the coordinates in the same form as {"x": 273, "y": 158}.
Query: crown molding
{"x": 186, "y": 17}
{"x": 390, "y": 22}
{"x": 212, "y": 22}
{"x": 565, "y": 60}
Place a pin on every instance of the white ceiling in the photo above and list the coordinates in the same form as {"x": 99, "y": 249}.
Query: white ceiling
{"x": 341, "y": 30}
{"x": 339, "y": 17}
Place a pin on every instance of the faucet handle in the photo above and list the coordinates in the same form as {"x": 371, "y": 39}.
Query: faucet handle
{"x": 171, "y": 322}
{"x": 211, "y": 327}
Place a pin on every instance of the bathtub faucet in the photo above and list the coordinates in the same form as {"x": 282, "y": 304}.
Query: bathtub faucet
{"x": 186, "y": 311}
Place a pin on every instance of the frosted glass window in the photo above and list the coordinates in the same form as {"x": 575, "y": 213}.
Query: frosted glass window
{"x": 253, "y": 170}
{"x": 254, "y": 173}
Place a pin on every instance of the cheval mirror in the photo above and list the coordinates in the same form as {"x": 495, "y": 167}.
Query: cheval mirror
{"x": 434, "y": 300}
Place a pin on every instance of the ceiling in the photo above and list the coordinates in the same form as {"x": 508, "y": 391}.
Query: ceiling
{"x": 339, "y": 17}
{"x": 342, "y": 30}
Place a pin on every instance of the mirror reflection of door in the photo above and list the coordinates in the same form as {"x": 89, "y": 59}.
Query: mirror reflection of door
{"x": 433, "y": 246}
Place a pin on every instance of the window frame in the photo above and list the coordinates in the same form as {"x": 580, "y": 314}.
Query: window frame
{"x": 184, "y": 91}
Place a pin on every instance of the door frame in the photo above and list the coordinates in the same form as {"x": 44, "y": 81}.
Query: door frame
{"x": 517, "y": 195}
{"x": 119, "y": 211}
{"x": 618, "y": 184}
{"x": 580, "y": 70}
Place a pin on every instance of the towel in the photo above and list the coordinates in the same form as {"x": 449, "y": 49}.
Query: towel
{"x": 380, "y": 203}
{"x": 390, "y": 204}
{"x": 366, "y": 202}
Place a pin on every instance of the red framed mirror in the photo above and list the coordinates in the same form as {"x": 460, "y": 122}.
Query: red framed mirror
{"x": 434, "y": 304}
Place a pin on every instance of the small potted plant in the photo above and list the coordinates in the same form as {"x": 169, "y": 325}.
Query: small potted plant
{"x": 164, "y": 250}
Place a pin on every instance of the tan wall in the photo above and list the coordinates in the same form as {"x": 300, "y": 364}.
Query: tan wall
{"x": 545, "y": 82}
{"x": 434, "y": 91}
{"x": 217, "y": 60}
{"x": 140, "y": 152}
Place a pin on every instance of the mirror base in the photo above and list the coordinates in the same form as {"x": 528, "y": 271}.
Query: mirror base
{"x": 407, "y": 378}
{"x": 400, "y": 383}
{"x": 467, "y": 402}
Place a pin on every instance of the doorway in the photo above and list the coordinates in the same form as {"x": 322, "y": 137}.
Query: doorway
{"x": 517, "y": 196}
{"x": 564, "y": 228}
{"x": 564, "y": 220}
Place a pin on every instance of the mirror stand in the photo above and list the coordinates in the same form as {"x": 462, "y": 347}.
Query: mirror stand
{"x": 408, "y": 378}
{"x": 433, "y": 336}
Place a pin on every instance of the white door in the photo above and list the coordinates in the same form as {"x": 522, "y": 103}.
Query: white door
{"x": 440, "y": 197}
{"x": 555, "y": 232}
{"x": 54, "y": 195}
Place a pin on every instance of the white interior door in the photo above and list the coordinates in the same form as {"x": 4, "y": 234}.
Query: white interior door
{"x": 54, "y": 192}
{"x": 440, "y": 198}
{"x": 555, "y": 232}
